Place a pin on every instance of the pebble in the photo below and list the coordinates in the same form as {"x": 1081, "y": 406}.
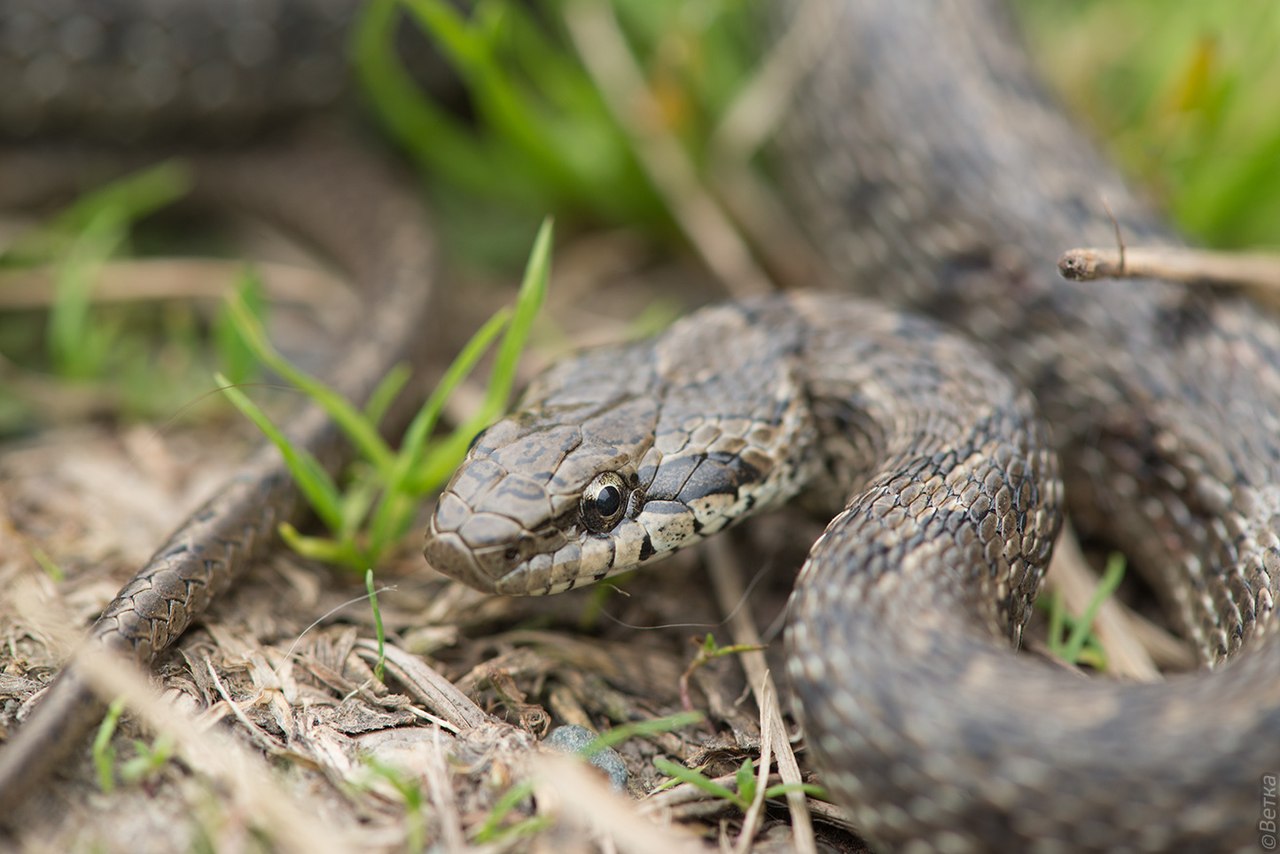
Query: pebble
{"x": 572, "y": 738}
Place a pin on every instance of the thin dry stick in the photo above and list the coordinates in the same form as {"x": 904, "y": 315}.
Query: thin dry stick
{"x": 1256, "y": 269}
{"x": 751, "y": 822}
{"x": 599, "y": 41}
{"x": 150, "y": 279}
{"x": 259, "y": 737}
{"x": 457, "y": 711}
{"x": 1071, "y": 575}
{"x": 729, "y": 592}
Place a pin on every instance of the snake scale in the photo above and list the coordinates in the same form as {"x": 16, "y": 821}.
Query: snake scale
{"x": 937, "y": 176}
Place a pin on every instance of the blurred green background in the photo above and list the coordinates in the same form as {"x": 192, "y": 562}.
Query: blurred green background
{"x": 1186, "y": 95}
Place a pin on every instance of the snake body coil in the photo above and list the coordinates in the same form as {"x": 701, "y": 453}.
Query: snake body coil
{"x": 938, "y": 176}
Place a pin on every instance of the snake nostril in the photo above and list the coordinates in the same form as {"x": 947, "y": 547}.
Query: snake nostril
{"x": 512, "y": 553}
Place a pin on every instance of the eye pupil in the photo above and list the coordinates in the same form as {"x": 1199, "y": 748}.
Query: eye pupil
{"x": 604, "y": 502}
{"x": 608, "y": 500}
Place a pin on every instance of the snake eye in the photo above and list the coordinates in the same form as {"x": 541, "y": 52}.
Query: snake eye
{"x": 603, "y": 502}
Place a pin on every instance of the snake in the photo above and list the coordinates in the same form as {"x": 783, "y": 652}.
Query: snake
{"x": 936, "y": 176}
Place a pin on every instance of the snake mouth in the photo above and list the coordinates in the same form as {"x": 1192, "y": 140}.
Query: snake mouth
{"x": 448, "y": 555}
{"x": 485, "y": 553}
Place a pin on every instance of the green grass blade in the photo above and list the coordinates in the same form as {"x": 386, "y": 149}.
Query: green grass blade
{"x": 811, "y": 789}
{"x": 533, "y": 292}
{"x": 379, "y": 669}
{"x": 745, "y": 779}
{"x": 470, "y": 47}
{"x": 1083, "y": 628}
{"x": 619, "y": 734}
{"x": 445, "y": 455}
{"x": 129, "y": 198}
{"x": 428, "y": 416}
{"x": 360, "y": 494}
{"x": 234, "y": 355}
{"x": 400, "y": 499}
{"x": 352, "y": 422}
{"x": 385, "y": 394}
{"x": 312, "y": 479}
{"x": 1057, "y": 624}
{"x": 491, "y": 829}
{"x": 104, "y": 756}
{"x": 323, "y": 549}
{"x": 431, "y": 136}
{"x": 77, "y": 347}
{"x": 700, "y": 780}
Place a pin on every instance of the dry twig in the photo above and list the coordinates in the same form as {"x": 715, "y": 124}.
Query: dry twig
{"x": 1192, "y": 266}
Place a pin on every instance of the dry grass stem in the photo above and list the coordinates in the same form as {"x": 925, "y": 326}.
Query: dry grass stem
{"x": 440, "y": 790}
{"x": 153, "y": 279}
{"x": 457, "y": 711}
{"x": 751, "y": 822}
{"x": 1192, "y": 266}
{"x": 762, "y": 102}
{"x": 726, "y": 578}
{"x": 599, "y": 41}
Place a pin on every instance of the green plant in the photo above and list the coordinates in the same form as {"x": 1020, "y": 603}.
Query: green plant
{"x": 375, "y": 508}
{"x": 147, "y": 759}
{"x": 141, "y": 360}
{"x": 744, "y": 780}
{"x": 621, "y": 733}
{"x": 410, "y": 794}
{"x": 492, "y": 830}
{"x": 539, "y": 133}
{"x": 1071, "y": 638}
{"x": 379, "y": 668}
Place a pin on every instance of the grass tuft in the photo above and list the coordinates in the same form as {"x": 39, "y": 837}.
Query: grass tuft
{"x": 373, "y": 510}
{"x": 144, "y": 360}
{"x": 410, "y": 793}
{"x": 539, "y": 134}
{"x": 148, "y": 759}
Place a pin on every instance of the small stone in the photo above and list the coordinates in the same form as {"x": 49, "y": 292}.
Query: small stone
{"x": 572, "y": 738}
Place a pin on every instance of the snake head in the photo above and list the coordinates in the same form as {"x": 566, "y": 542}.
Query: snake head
{"x": 546, "y": 499}
{"x": 624, "y": 453}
